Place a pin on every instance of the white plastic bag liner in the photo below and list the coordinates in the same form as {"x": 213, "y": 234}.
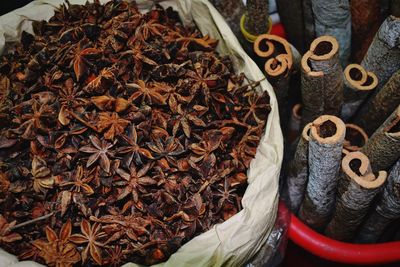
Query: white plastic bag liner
{"x": 235, "y": 241}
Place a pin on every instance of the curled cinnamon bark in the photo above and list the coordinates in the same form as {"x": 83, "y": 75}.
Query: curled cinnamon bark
{"x": 278, "y": 69}
{"x": 355, "y": 138}
{"x": 357, "y": 187}
{"x": 377, "y": 108}
{"x": 334, "y": 18}
{"x": 298, "y": 170}
{"x": 386, "y": 210}
{"x": 324, "y": 157}
{"x": 383, "y": 55}
{"x": 358, "y": 84}
{"x": 383, "y": 148}
{"x": 321, "y": 80}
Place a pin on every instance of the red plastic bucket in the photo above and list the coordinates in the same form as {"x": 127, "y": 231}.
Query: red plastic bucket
{"x": 341, "y": 252}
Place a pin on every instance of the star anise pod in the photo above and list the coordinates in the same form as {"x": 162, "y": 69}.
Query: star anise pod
{"x": 133, "y": 150}
{"x": 100, "y": 150}
{"x": 225, "y": 194}
{"x": 113, "y": 123}
{"x": 58, "y": 251}
{"x": 69, "y": 99}
{"x": 166, "y": 150}
{"x": 6, "y": 235}
{"x": 256, "y": 108}
{"x": 116, "y": 256}
{"x": 146, "y": 93}
{"x": 80, "y": 182}
{"x": 185, "y": 118}
{"x": 203, "y": 152}
{"x": 134, "y": 182}
{"x": 41, "y": 174}
{"x": 90, "y": 235}
{"x": 81, "y": 61}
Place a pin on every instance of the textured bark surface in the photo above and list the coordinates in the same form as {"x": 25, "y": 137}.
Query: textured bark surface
{"x": 278, "y": 69}
{"x": 291, "y": 14}
{"x": 383, "y": 148}
{"x": 309, "y": 26}
{"x": 232, "y": 11}
{"x": 358, "y": 84}
{"x": 355, "y": 138}
{"x": 321, "y": 80}
{"x": 257, "y": 16}
{"x": 377, "y": 108}
{"x": 357, "y": 187}
{"x": 383, "y": 56}
{"x": 324, "y": 157}
{"x": 334, "y": 18}
{"x": 294, "y": 124}
{"x": 395, "y": 8}
{"x": 386, "y": 210}
{"x": 365, "y": 21}
{"x": 298, "y": 171}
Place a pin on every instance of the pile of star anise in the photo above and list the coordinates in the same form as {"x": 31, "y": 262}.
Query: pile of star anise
{"x": 123, "y": 135}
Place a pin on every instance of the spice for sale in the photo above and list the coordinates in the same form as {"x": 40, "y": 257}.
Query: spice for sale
{"x": 357, "y": 188}
{"x": 123, "y": 135}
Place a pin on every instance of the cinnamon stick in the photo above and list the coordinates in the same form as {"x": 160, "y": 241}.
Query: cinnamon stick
{"x": 294, "y": 123}
{"x": 358, "y": 84}
{"x": 257, "y": 16}
{"x": 334, "y": 18}
{"x": 324, "y": 158}
{"x": 357, "y": 188}
{"x": 298, "y": 171}
{"x": 355, "y": 138}
{"x": 377, "y": 108}
{"x": 291, "y": 15}
{"x": 386, "y": 210}
{"x": 365, "y": 21}
{"x": 321, "y": 80}
{"x": 278, "y": 68}
{"x": 383, "y": 55}
{"x": 383, "y": 148}
{"x": 308, "y": 20}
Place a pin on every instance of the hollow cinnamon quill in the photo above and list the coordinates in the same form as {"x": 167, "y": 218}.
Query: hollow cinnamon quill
{"x": 357, "y": 188}
{"x": 383, "y": 55}
{"x": 386, "y": 210}
{"x": 377, "y": 108}
{"x": 358, "y": 84}
{"x": 324, "y": 158}
{"x": 383, "y": 148}
{"x": 298, "y": 171}
{"x": 355, "y": 138}
{"x": 321, "y": 80}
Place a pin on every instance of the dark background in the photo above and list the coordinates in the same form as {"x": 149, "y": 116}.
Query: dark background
{"x": 9, "y": 5}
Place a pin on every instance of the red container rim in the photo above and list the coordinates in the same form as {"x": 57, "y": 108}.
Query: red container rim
{"x": 341, "y": 252}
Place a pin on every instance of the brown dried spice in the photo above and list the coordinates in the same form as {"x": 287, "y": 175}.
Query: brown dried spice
{"x": 127, "y": 133}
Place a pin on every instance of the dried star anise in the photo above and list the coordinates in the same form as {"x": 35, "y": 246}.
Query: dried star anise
{"x": 125, "y": 133}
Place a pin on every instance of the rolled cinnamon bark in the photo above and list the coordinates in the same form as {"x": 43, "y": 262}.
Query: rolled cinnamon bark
{"x": 298, "y": 171}
{"x": 321, "y": 80}
{"x": 383, "y": 148}
{"x": 291, "y": 15}
{"x": 365, "y": 21}
{"x": 383, "y": 55}
{"x": 358, "y": 84}
{"x": 355, "y": 138}
{"x": 257, "y": 16}
{"x": 357, "y": 188}
{"x": 278, "y": 68}
{"x": 294, "y": 124}
{"x": 377, "y": 108}
{"x": 324, "y": 158}
{"x": 386, "y": 210}
{"x": 309, "y": 25}
{"x": 334, "y": 18}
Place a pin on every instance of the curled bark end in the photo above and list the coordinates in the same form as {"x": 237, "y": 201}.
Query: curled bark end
{"x": 324, "y": 48}
{"x": 355, "y": 137}
{"x": 328, "y": 129}
{"x": 358, "y": 79}
{"x": 356, "y": 190}
{"x": 356, "y": 166}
